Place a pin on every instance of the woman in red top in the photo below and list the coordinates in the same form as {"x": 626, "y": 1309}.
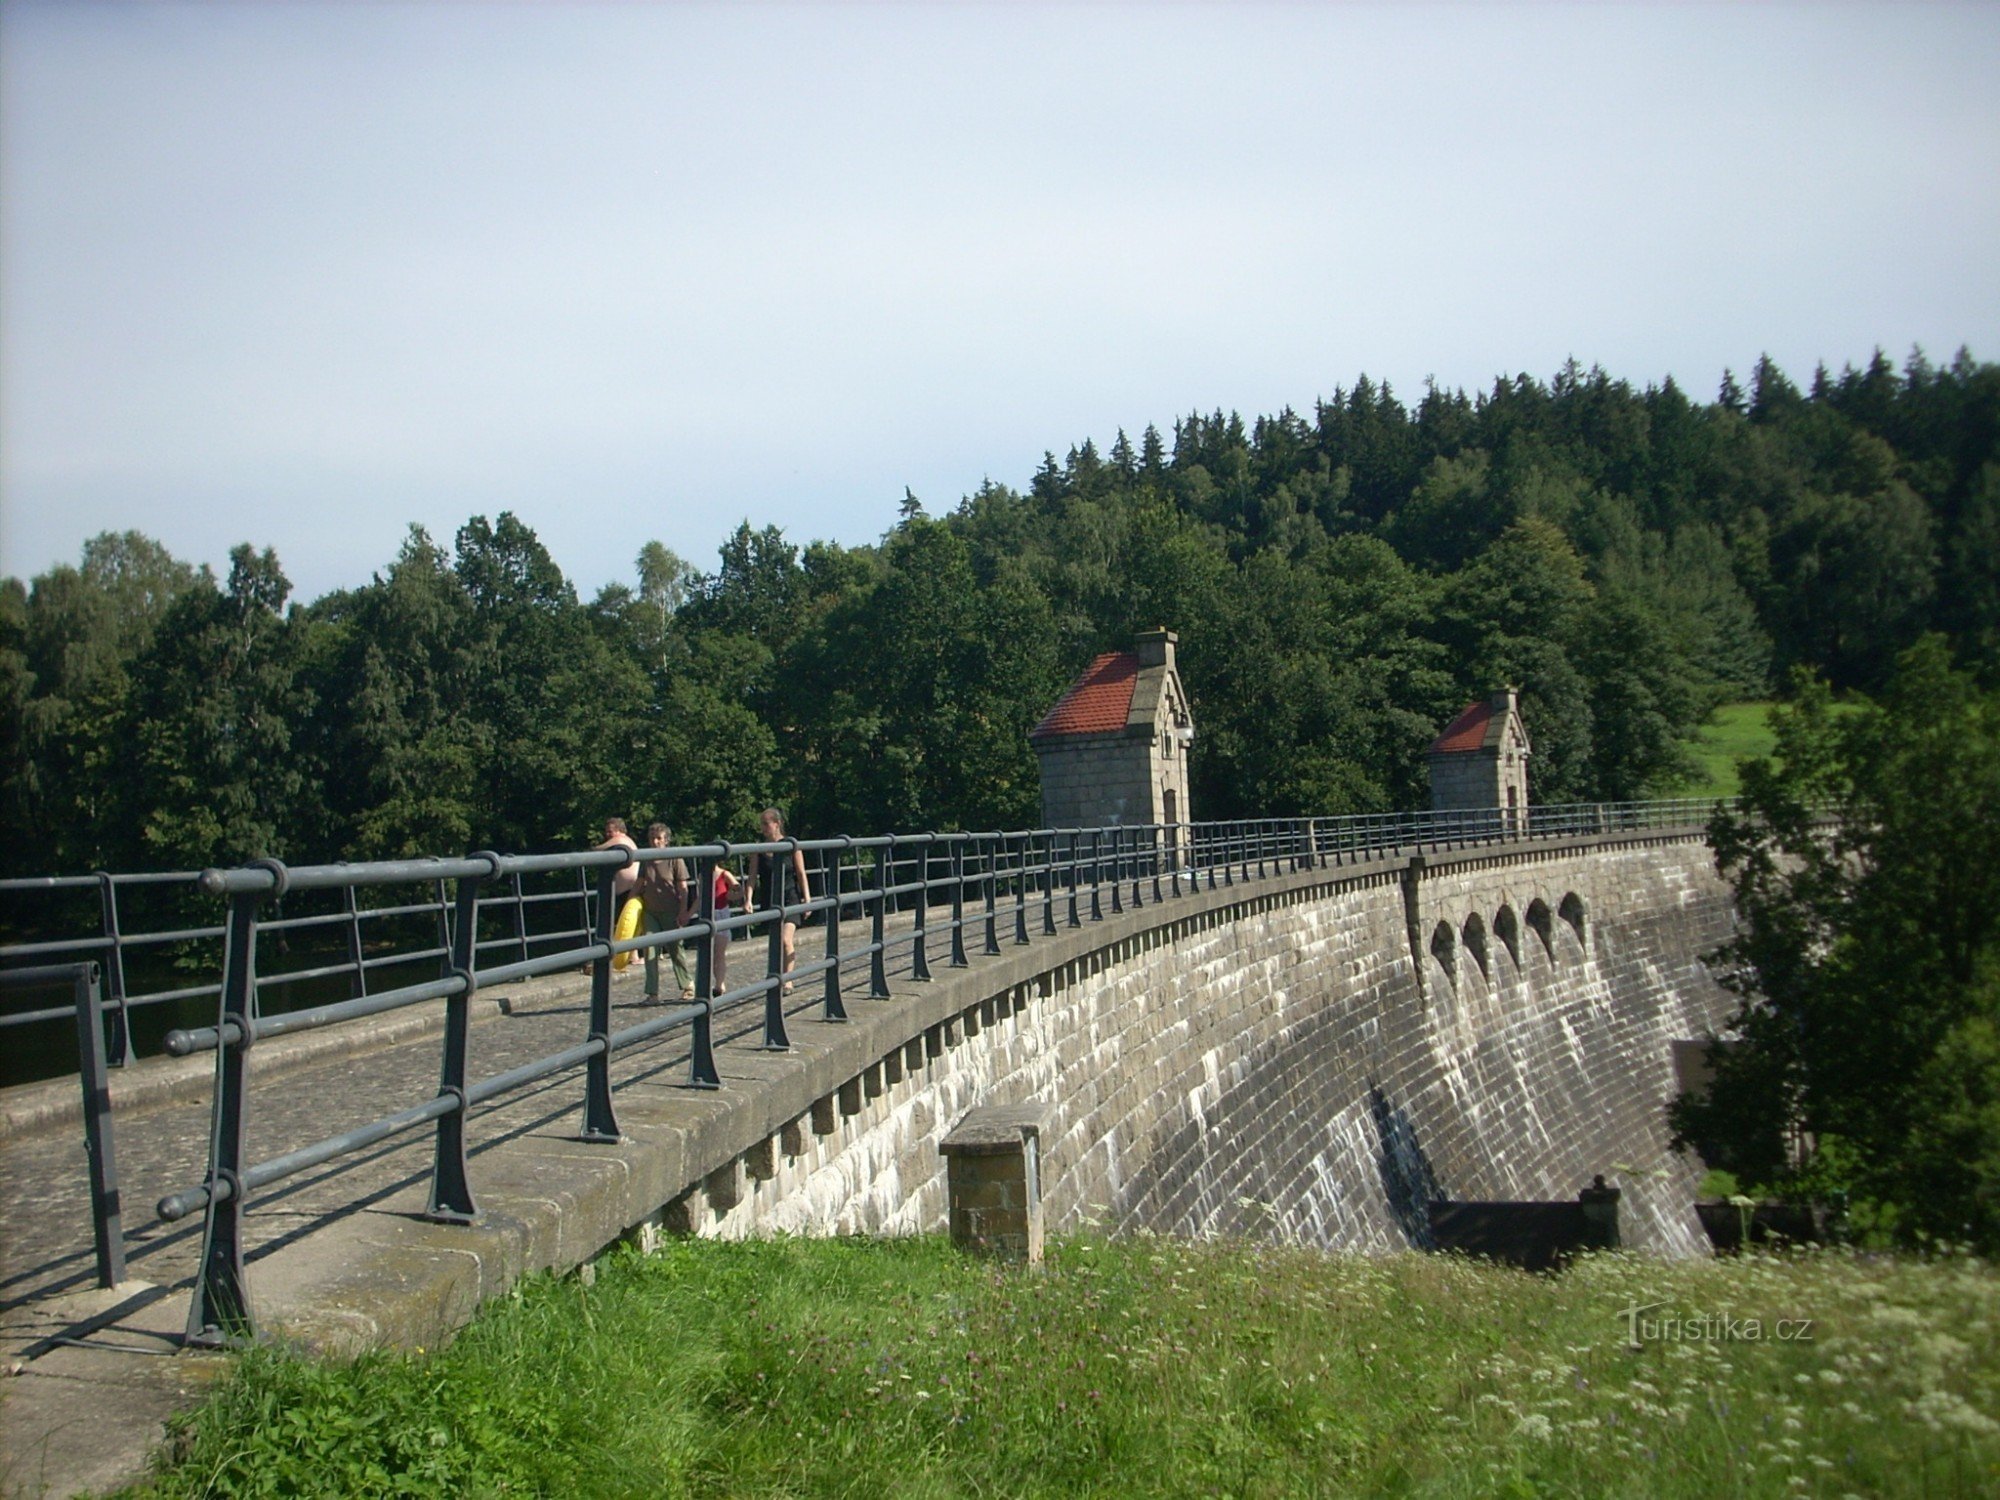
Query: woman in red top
{"x": 726, "y": 886}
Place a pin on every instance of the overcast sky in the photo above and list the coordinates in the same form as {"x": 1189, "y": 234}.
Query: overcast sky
{"x": 303, "y": 274}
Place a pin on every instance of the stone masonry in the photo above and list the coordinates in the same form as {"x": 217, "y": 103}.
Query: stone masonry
{"x": 1313, "y": 1063}
{"x": 1114, "y": 749}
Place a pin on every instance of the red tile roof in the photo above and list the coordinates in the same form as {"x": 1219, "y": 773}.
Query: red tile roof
{"x": 1467, "y": 731}
{"x": 1098, "y": 702}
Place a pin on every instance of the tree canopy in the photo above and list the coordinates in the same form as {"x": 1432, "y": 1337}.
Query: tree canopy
{"x": 1342, "y": 581}
{"x": 1866, "y": 1055}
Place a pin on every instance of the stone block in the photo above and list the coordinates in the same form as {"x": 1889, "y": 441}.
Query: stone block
{"x": 993, "y": 1165}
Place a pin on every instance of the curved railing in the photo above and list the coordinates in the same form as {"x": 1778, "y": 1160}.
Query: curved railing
{"x": 955, "y": 888}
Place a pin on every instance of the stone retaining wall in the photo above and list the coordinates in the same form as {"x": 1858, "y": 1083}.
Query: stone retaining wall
{"x": 1316, "y": 1062}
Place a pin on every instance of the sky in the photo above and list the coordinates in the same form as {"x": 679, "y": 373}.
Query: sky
{"x": 306, "y": 274}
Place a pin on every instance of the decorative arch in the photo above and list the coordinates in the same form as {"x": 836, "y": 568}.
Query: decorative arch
{"x": 1473, "y": 935}
{"x": 1571, "y": 911}
{"x": 1444, "y": 948}
{"x": 1507, "y": 928}
{"x": 1543, "y": 926}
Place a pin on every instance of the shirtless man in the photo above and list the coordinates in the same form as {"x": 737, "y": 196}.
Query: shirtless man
{"x": 615, "y": 837}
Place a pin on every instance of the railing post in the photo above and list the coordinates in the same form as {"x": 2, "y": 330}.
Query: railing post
{"x": 600, "y": 1123}
{"x": 451, "y": 1184}
{"x": 878, "y": 967}
{"x": 444, "y": 940}
{"x": 701, "y": 1047}
{"x": 996, "y": 845}
{"x": 357, "y": 958}
{"x": 520, "y": 918}
{"x": 219, "y": 1310}
{"x": 1117, "y": 870}
{"x": 835, "y": 1008}
{"x": 1048, "y": 873}
{"x": 1096, "y": 874}
{"x": 1072, "y": 872}
{"x": 776, "y": 1038}
{"x": 106, "y": 1219}
{"x": 920, "y": 960}
{"x": 957, "y": 866}
{"x": 1022, "y": 875}
{"x": 1156, "y": 854}
{"x": 118, "y": 1043}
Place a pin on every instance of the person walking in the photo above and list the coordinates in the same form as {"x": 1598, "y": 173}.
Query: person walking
{"x": 727, "y": 886}
{"x": 662, "y": 889}
{"x": 779, "y": 881}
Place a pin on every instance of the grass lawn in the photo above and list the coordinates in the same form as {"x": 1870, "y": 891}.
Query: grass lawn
{"x": 1149, "y": 1367}
{"x": 1735, "y": 732}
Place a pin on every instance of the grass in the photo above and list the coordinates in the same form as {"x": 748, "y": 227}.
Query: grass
{"x": 1734, "y": 732}
{"x": 1147, "y": 1367}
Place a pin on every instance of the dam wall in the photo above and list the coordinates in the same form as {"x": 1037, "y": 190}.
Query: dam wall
{"x": 1313, "y": 1058}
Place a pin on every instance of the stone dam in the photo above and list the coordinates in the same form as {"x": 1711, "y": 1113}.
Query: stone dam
{"x": 1315, "y": 1058}
{"x": 1312, "y": 1055}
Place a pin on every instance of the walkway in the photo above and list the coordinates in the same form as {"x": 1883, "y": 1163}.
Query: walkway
{"x": 89, "y": 1387}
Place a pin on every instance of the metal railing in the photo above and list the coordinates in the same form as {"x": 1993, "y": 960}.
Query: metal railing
{"x": 347, "y": 944}
{"x": 956, "y": 888}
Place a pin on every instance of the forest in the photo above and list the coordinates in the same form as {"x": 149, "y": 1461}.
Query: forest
{"x": 1342, "y": 584}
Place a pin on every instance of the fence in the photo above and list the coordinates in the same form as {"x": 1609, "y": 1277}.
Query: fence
{"x": 978, "y": 883}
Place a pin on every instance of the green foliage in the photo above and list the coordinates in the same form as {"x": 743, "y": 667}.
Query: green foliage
{"x": 1143, "y": 1367}
{"x": 1342, "y": 584}
{"x": 1868, "y": 957}
{"x": 207, "y": 767}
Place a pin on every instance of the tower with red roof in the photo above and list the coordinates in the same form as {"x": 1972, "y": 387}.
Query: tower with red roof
{"x": 1480, "y": 762}
{"x": 1114, "y": 749}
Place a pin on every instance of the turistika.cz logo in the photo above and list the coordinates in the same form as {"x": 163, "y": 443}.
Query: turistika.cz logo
{"x": 1648, "y": 1325}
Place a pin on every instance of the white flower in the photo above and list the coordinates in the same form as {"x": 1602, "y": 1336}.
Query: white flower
{"x": 1938, "y": 1410}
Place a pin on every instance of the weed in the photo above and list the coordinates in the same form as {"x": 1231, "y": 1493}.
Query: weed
{"x": 1148, "y": 1367}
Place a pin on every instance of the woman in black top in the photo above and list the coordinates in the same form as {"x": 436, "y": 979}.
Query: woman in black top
{"x": 779, "y": 880}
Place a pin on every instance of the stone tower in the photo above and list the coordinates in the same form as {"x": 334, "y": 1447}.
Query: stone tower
{"x": 1480, "y": 762}
{"x": 1114, "y": 749}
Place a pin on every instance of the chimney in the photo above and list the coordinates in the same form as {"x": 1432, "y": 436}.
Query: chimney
{"x": 1156, "y": 648}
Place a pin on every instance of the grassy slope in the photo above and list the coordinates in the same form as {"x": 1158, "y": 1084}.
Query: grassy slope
{"x": 1145, "y": 1367}
{"x": 1734, "y": 732}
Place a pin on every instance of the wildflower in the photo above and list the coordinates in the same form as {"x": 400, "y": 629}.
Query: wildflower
{"x": 1535, "y": 1426}
{"x": 1938, "y": 1410}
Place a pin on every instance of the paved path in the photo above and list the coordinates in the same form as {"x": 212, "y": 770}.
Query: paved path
{"x": 89, "y": 1388}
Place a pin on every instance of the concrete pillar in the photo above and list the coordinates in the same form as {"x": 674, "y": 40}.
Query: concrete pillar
{"x": 1600, "y": 1215}
{"x": 994, "y": 1181}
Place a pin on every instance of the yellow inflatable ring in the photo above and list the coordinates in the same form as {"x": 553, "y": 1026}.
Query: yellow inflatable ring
{"x": 628, "y": 925}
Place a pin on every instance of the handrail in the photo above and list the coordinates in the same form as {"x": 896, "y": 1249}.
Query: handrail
{"x": 955, "y": 886}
